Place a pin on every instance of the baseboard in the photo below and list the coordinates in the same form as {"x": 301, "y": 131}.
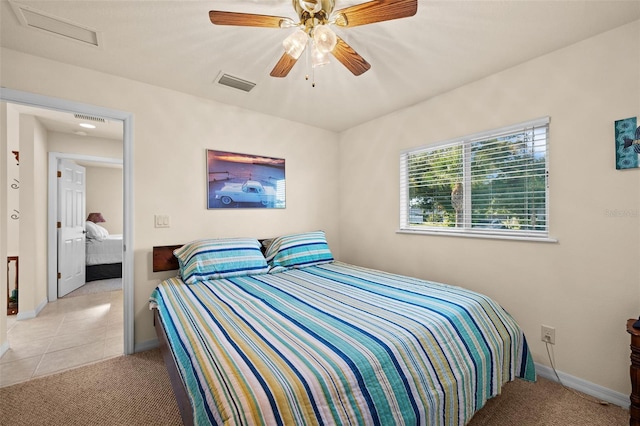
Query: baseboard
{"x": 146, "y": 346}
{"x": 596, "y": 391}
{"x": 32, "y": 314}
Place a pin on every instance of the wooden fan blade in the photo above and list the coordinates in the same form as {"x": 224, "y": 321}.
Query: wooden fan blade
{"x": 375, "y": 11}
{"x": 350, "y": 58}
{"x": 283, "y": 66}
{"x": 247, "y": 19}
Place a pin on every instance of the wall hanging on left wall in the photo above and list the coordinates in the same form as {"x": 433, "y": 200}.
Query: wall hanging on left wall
{"x": 627, "y": 143}
{"x": 244, "y": 181}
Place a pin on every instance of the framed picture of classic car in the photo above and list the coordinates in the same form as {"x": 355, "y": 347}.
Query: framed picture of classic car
{"x": 244, "y": 181}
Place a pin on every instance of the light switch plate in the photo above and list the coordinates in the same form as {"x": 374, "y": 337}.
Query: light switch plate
{"x": 162, "y": 221}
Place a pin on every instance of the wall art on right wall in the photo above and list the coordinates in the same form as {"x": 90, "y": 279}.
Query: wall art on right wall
{"x": 627, "y": 143}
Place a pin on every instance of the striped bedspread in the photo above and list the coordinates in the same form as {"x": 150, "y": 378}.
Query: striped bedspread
{"x": 338, "y": 344}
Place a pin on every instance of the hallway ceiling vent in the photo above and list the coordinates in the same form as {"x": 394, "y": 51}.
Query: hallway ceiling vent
{"x": 34, "y": 18}
{"x": 89, "y": 118}
{"x": 234, "y": 82}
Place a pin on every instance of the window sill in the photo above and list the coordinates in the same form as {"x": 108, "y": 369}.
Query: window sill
{"x": 527, "y": 238}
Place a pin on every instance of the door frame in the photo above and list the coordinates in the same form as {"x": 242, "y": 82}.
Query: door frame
{"x": 52, "y": 213}
{"x": 41, "y": 101}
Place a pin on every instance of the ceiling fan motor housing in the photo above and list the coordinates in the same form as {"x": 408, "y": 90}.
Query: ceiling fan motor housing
{"x": 313, "y": 6}
{"x": 313, "y": 12}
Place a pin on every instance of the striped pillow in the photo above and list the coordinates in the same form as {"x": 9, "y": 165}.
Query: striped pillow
{"x": 209, "y": 259}
{"x": 298, "y": 251}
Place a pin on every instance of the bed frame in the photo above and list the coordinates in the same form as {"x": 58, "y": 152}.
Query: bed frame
{"x": 103, "y": 272}
{"x": 164, "y": 260}
{"x": 179, "y": 389}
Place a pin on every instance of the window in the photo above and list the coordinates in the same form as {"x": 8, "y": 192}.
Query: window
{"x": 494, "y": 183}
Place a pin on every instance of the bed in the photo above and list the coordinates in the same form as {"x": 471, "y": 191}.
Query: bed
{"x": 303, "y": 339}
{"x": 103, "y": 253}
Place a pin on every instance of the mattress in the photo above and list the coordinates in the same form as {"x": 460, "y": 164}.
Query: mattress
{"x": 104, "y": 251}
{"x": 338, "y": 344}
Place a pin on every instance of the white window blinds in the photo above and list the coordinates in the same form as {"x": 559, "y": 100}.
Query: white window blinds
{"x": 490, "y": 183}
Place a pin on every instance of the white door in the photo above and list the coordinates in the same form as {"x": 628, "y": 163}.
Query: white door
{"x": 71, "y": 232}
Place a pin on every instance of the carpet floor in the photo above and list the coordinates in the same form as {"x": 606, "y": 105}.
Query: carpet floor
{"x": 124, "y": 391}
{"x": 135, "y": 390}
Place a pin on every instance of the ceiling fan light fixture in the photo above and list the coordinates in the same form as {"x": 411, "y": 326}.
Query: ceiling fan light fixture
{"x": 324, "y": 38}
{"x": 315, "y": 16}
{"x": 318, "y": 57}
{"x": 294, "y": 44}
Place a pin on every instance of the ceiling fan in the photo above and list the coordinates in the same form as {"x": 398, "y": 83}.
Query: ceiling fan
{"x": 313, "y": 29}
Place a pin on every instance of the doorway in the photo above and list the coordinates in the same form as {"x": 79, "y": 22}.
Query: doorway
{"x": 54, "y": 196}
{"x": 25, "y": 98}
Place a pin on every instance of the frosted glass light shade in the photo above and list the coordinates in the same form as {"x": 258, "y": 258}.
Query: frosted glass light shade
{"x": 318, "y": 58}
{"x": 325, "y": 39}
{"x": 294, "y": 44}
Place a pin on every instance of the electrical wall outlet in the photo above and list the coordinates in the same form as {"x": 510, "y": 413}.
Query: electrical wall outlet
{"x": 548, "y": 334}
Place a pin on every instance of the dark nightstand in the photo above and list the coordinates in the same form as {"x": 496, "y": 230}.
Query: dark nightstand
{"x": 634, "y": 371}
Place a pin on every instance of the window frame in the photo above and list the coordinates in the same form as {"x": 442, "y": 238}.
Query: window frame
{"x": 467, "y": 230}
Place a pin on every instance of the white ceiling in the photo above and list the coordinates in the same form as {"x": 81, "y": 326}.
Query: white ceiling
{"x": 445, "y": 45}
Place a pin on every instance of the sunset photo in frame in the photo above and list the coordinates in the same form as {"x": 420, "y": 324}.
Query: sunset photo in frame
{"x": 244, "y": 181}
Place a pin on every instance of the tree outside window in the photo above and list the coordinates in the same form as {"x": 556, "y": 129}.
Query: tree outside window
{"x": 489, "y": 183}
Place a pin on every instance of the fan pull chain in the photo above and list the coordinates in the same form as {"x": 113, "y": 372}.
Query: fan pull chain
{"x": 306, "y": 59}
{"x": 309, "y": 63}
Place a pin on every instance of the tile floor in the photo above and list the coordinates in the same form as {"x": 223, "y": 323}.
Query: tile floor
{"x": 67, "y": 333}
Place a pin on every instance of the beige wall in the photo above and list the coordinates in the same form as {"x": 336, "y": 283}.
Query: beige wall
{"x": 171, "y": 134}
{"x": 104, "y": 195}
{"x": 13, "y": 173}
{"x": 84, "y": 145}
{"x": 587, "y": 284}
{"x": 4, "y": 343}
{"x": 33, "y": 219}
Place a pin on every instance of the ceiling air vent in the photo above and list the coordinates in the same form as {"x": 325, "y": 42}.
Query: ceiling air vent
{"x": 89, "y": 118}
{"x": 33, "y": 18}
{"x": 235, "y": 82}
